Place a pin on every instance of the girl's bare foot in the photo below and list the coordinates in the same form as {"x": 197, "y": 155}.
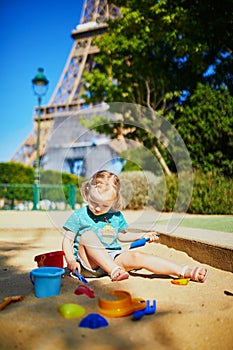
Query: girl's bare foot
{"x": 118, "y": 274}
{"x": 198, "y": 274}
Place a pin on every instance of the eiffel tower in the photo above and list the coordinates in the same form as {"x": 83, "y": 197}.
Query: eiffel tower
{"x": 65, "y": 145}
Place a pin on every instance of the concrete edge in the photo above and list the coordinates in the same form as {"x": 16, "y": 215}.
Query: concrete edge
{"x": 213, "y": 255}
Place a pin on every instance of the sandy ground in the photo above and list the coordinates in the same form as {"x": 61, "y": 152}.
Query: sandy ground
{"x": 196, "y": 316}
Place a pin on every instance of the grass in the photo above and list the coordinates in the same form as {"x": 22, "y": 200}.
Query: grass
{"x": 216, "y": 223}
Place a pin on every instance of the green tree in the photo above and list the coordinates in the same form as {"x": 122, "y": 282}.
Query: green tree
{"x": 184, "y": 39}
{"x": 155, "y": 55}
{"x": 158, "y": 49}
{"x": 205, "y": 124}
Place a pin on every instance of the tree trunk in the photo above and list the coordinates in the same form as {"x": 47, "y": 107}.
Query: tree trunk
{"x": 162, "y": 161}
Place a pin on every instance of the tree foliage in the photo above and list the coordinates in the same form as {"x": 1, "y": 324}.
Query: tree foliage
{"x": 205, "y": 123}
{"x": 158, "y": 49}
{"x": 156, "y": 55}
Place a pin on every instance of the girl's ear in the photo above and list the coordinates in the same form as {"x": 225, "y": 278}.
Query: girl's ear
{"x": 119, "y": 203}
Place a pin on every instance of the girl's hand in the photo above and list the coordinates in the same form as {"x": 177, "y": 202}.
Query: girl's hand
{"x": 73, "y": 265}
{"x": 153, "y": 236}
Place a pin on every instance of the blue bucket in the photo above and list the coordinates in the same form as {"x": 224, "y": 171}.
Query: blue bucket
{"x": 46, "y": 281}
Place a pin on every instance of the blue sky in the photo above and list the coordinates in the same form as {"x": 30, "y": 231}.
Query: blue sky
{"x": 33, "y": 34}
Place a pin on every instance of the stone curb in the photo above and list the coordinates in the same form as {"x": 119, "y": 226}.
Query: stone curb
{"x": 209, "y": 253}
{"x": 213, "y": 255}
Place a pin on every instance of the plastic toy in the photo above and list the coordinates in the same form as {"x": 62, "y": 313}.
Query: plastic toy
{"x": 137, "y": 315}
{"x": 93, "y": 321}
{"x": 50, "y": 259}
{"x": 9, "y": 300}
{"x": 80, "y": 277}
{"x": 82, "y": 289}
{"x": 123, "y": 305}
{"x": 71, "y": 310}
{"x": 149, "y": 309}
{"x": 181, "y": 281}
{"x": 46, "y": 281}
{"x": 140, "y": 242}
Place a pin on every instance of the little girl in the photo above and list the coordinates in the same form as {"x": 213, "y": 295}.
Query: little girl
{"x": 92, "y": 235}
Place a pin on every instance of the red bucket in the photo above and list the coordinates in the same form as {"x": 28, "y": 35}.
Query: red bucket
{"x": 54, "y": 259}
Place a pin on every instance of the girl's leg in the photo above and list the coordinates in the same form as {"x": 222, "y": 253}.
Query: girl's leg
{"x": 94, "y": 254}
{"x": 135, "y": 260}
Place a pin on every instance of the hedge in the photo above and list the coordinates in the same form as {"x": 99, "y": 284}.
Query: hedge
{"x": 17, "y": 173}
{"x": 212, "y": 193}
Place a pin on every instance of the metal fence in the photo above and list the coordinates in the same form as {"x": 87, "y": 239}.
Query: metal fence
{"x": 37, "y": 197}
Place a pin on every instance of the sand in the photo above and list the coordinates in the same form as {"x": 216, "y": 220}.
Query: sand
{"x": 196, "y": 316}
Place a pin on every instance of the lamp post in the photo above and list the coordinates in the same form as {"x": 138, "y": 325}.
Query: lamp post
{"x": 40, "y": 87}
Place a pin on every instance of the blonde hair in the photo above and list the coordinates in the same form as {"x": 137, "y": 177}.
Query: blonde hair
{"x": 103, "y": 181}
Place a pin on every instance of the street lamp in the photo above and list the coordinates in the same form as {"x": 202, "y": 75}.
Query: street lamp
{"x": 40, "y": 87}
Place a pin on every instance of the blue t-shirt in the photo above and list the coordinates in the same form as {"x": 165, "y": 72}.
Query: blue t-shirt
{"x": 105, "y": 226}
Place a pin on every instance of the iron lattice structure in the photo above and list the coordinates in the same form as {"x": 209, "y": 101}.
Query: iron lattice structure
{"x": 66, "y": 99}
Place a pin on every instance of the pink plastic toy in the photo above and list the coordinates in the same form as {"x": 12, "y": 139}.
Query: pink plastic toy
{"x": 82, "y": 289}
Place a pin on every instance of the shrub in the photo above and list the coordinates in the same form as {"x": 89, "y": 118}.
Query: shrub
{"x": 212, "y": 194}
{"x": 138, "y": 188}
{"x": 53, "y": 177}
{"x": 16, "y": 173}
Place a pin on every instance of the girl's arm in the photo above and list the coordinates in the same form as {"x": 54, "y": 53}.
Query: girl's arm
{"x": 127, "y": 236}
{"x": 67, "y": 247}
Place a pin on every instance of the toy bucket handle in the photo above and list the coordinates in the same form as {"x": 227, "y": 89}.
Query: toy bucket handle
{"x": 42, "y": 259}
{"x": 31, "y": 278}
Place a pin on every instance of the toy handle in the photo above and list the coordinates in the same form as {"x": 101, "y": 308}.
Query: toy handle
{"x": 31, "y": 278}
{"x": 80, "y": 277}
{"x": 139, "y": 243}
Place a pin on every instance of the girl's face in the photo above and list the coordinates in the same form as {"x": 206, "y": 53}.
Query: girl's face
{"x": 100, "y": 208}
{"x": 100, "y": 204}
